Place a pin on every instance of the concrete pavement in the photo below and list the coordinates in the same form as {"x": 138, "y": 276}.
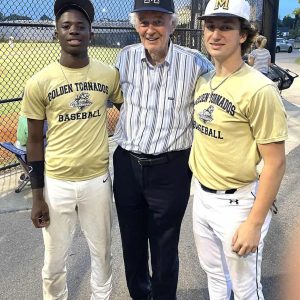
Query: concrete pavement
{"x": 287, "y": 61}
{"x": 292, "y": 98}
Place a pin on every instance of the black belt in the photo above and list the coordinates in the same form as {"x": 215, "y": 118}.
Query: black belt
{"x": 209, "y": 190}
{"x": 152, "y": 160}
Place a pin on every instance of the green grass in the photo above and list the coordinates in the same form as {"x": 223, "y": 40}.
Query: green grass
{"x": 18, "y": 64}
{"x": 298, "y": 60}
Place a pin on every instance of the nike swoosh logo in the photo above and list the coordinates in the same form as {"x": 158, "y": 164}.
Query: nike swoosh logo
{"x": 104, "y": 180}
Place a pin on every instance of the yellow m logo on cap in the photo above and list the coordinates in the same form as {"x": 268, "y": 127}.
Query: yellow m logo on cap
{"x": 222, "y": 3}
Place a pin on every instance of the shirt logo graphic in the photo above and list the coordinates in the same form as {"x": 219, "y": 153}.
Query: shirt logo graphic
{"x": 151, "y": 1}
{"x": 81, "y": 101}
{"x": 206, "y": 114}
{"x": 222, "y": 3}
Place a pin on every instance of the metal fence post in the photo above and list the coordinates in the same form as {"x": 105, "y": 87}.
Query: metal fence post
{"x": 269, "y": 24}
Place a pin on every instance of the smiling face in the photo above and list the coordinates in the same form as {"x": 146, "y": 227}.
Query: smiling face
{"x": 223, "y": 38}
{"x": 154, "y": 29}
{"x": 73, "y": 31}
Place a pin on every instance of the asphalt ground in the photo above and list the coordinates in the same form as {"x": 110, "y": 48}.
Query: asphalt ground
{"x": 21, "y": 246}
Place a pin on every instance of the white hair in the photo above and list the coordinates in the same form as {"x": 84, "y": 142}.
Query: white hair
{"x": 133, "y": 19}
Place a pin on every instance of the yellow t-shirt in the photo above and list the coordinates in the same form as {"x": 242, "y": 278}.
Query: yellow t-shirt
{"x": 244, "y": 111}
{"x": 74, "y": 103}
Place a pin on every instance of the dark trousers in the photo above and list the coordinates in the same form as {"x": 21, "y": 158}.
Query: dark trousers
{"x": 151, "y": 201}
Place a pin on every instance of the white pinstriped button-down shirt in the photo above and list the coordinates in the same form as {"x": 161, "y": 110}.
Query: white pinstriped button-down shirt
{"x": 156, "y": 116}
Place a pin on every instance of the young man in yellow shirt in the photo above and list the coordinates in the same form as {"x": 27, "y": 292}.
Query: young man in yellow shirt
{"x": 239, "y": 119}
{"x": 71, "y": 178}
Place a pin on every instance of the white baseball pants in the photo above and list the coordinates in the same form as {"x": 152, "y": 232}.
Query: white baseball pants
{"x": 93, "y": 199}
{"x": 215, "y": 220}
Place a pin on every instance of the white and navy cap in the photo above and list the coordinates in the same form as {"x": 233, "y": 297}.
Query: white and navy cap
{"x": 164, "y": 6}
{"x": 84, "y": 6}
{"x": 227, "y": 8}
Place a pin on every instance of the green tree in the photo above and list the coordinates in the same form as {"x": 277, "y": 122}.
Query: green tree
{"x": 45, "y": 18}
{"x": 15, "y": 17}
{"x": 297, "y": 17}
{"x": 288, "y": 21}
{"x": 1, "y": 16}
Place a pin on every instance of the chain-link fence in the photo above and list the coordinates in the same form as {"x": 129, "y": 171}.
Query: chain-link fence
{"x": 27, "y": 44}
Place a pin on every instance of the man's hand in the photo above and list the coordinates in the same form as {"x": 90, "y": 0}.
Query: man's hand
{"x": 246, "y": 238}
{"x": 40, "y": 214}
{"x": 40, "y": 211}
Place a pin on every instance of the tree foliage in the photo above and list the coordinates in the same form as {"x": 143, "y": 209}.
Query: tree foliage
{"x": 45, "y": 18}
{"x": 296, "y": 12}
{"x": 292, "y": 22}
{"x": 288, "y": 21}
{"x": 15, "y": 17}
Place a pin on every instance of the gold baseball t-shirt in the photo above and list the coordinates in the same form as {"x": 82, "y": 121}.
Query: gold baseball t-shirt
{"x": 74, "y": 102}
{"x": 244, "y": 111}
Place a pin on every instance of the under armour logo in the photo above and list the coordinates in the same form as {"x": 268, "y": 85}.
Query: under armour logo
{"x": 222, "y": 3}
{"x": 236, "y": 201}
{"x": 152, "y": 1}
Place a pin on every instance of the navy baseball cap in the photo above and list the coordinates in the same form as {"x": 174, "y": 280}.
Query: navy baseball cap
{"x": 84, "y": 6}
{"x": 165, "y": 6}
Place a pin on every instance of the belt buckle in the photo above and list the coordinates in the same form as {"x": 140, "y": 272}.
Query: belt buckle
{"x": 141, "y": 160}
{"x": 220, "y": 192}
